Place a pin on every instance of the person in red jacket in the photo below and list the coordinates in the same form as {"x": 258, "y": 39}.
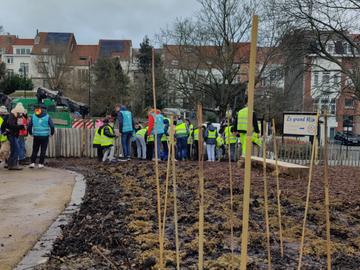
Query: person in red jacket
{"x": 156, "y": 126}
{"x": 23, "y": 133}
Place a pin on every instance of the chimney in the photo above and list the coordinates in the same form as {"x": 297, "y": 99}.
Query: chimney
{"x": 37, "y": 31}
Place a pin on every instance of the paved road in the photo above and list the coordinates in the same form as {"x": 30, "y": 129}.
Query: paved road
{"x": 30, "y": 200}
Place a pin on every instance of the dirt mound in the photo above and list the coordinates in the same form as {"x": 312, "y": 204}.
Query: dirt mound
{"x": 117, "y": 223}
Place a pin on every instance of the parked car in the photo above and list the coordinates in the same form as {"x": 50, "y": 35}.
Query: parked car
{"x": 347, "y": 139}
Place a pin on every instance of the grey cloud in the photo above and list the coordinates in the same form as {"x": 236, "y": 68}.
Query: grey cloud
{"x": 91, "y": 20}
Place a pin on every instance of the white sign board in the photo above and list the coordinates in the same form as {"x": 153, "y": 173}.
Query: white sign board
{"x": 300, "y": 124}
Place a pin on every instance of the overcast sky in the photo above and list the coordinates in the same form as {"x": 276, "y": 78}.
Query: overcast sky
{"x": 91, "y": 20}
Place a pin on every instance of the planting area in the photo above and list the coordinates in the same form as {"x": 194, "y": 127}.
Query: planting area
{"x": 116, "y": 227}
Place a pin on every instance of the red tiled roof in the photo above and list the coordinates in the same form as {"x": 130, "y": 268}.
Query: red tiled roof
{"x": 24, "y": 41}
{"x": 84, "y": 51}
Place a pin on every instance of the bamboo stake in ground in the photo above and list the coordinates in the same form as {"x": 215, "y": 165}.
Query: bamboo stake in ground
{"x": 177, "y": 243}
{"x": 227, "y": 137}
{"x": 161, "y": 239}
{"x": 201, "y": 188}
{"x": 278, "y": 191}
{"x": 326, "y": 190}
{"x": 308, "y": 193}
{"x": 266, "y": 203}
{"x": 247, "y": 179}
{"x": 166, "y": 186}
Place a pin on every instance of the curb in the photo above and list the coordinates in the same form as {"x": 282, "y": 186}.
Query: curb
{"x": 38, "y": 254}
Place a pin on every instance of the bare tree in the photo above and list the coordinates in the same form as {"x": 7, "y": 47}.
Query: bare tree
{"x": 210, "y": 58}
{"x": 324, "y": 28}
{"x": 203, "y": 66}
{"x": 54, "y": 63}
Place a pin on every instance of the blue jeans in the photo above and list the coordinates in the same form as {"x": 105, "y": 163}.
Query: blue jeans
{"x": 181, "y": 145}
{"x": 14, "y": 151}
{"x": 125, "y": 142}
{"x": 22, "y": 149}
{"x": 165, "y": 151}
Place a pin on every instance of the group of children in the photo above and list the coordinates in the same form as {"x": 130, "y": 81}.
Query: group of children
{"x": 142, "y": 141}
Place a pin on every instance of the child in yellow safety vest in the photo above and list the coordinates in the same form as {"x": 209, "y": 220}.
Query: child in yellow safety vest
{"x": 220, "y": 148}
{"x": 210, "y": 139}
{"x": 150, "y": 145}
{"x": 108, "y": 136}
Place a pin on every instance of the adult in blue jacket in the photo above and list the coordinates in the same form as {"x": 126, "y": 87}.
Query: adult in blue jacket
{"x": 126, "y": 128}
{"x": 41, "y": 127}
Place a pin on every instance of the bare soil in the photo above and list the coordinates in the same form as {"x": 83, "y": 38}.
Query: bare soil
{"x": 116, "y": 227}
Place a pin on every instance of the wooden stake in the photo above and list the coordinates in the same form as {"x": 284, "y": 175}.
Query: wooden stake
{"x": 326, "y": 190}
{"x": 166, "y": 186}
{"x": 308, "y": 194}
{"x": 161, "y": 240}
{"x": 177, "y": 243}
{"x": 247, "y": 180}
{"x": 266, "y": 203}
{"x": 278, "y": 191}
{"x": 231, "y": 193}
{"x": 201, "y": 189}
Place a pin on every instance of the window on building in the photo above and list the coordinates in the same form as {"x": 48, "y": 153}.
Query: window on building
{"x": 273, "y": 75}
{"x": 17, "y": 51}
{"x": 326, "y": 78}
{"x": 28, "y": 51}
{"x": 348, "y": 122}
{"x": 44, "y": 50}
{"x": 10, "y": 60}
{"x": 23, "y": 50}
{"x": 42, "y": 67}
{"x": 175, "y": 62}
{"x": 349, "y": 103}
{"x": 24, "y": 67}
{"x": 336, "y": 79}
{"x": 333, "y": 106}
{"x": 45, "y": 84}
{"x": 330, "y": 48}
{"x": 83, "y": 74}
{"x": 10, "y": 72}
{"x": 83, "y": 58}
{"x": 316, "y": 78}
{"x": 332, "y": 133}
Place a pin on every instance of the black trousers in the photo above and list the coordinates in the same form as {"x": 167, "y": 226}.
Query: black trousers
{"x": 40, "y": 142}
{"x": 150, "y": 150}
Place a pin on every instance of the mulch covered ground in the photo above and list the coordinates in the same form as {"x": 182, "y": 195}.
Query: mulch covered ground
{"x": 116, "y": 227}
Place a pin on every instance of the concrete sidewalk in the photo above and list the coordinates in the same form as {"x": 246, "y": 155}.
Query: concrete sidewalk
{"x": 30, "y": 201}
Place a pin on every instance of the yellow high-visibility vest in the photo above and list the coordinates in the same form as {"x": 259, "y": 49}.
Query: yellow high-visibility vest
{"x": 229, "y": 136}
{"x": 242, "y": 121}
{"x": 105, "y": 140}
{"x": 181, "y": 130}
{"x": 151, "y": 138}
{"x": 219, "y": 141}
{"x": 97, "y": 137}
{"x": 142, "y": 132}
{"x": 211, "y": 134}
{"x": 196, "y": 134}
{"x": 3, "y": 138}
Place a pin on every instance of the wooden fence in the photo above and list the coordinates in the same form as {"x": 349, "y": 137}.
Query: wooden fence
{"x": 74, "y": 142}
